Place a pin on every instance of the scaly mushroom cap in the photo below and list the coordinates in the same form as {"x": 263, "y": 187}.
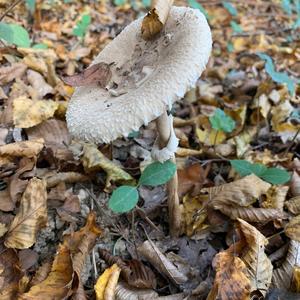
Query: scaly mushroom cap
{"x": 147, "y": 77}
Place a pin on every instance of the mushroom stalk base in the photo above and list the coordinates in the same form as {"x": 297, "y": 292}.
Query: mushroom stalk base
{"x": 164, "y": 129}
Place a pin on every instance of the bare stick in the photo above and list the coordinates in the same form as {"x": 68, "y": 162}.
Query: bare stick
{"x": 164, "y": 132}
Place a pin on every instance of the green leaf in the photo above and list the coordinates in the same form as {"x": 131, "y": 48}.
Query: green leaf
{"x": 146, "y": 3}
{"x": 14, "y": 34}
{"x": 231, "y": 9}
{"x": 230, "y": 47}
{"x": 133, "y": 134}
{"x": 82, "y": 26}
{"x": 31, "y": 5}
{"x": 276, "y": 176}
{"x": 123, "y": 199}
{"x": 40, "y": 46}
{"x": 236, "y": 27}
{"x": 243, "y": 167}
{"x": 258, "y": 169}
{"x": 221, "y": 122}
{"x": 195, "y": 4}
{"x": 287, "y": 6}
{"x": 280, "y": 77}
{"x": 158, "y": 173}
{"x": 119, "y": 2}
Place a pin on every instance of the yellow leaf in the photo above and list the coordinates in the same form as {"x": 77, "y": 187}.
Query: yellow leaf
{"x": 231, "y": 281}
{"x": 26, "y": 148}
{"x": 28, "y": 113}
{"x": 210, "y": 136}
{"x": 94, "y": 160}
{"x": 57, "y": 285}
{"x": 32, "y": 216}
{"x": 107, "y": 282}
{"x": 156, "y": 18}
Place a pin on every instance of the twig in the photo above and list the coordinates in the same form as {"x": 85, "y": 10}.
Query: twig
{"x": 11, "y": 7}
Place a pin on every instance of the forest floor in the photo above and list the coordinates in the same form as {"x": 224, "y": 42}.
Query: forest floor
{"x": 238, "y": 163}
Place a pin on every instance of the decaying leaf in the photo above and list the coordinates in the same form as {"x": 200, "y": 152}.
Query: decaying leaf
{"x": 241, "y": 192}
{"x": 32, "y": 216}
{"x": 107, "y": 282}
{"x": 28, "y": 113}
{"x": 125, "y": 292}
{"x": 156, "y": 18}
{"x": 275, "y": 197}
{"x": 57, "y": 285}
{"x": 3, "y": 229}
{"x": 259, "y": 267}
{"x": 293, "y": 205}
{"x": 94, "y": 160}
{"x": 161, "y": 262}
{"x": 24, "y": 148}
{"x": 39, "y": 84}
{"x": 67, "y": 177}
{"x": 292, "y": 229}
{"x": 231, "y": 281}
{"x": 7, "y": 74}
{"x": 283, "y": 276}
{"x": 96, "y": 74}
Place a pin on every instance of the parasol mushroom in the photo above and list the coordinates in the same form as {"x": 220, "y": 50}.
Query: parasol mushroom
{"x": 146, "y": 78}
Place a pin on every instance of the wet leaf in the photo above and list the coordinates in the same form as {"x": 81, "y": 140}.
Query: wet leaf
{"x": 32, "y": 216}
{"x": 123, "y": 199}
{"x": 96, "y": 74}
{"x": 28, "y": 113}
{"x": 158, "y": 173}
{"x": 231, "y": 281}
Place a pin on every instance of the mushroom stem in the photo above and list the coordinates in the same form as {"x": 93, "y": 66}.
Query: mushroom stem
{"x": 164, "y": 129}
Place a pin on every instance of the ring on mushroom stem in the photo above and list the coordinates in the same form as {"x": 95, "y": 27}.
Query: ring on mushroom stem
{"x": 147, "y": 78}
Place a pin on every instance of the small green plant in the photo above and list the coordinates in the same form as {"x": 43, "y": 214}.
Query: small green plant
{"x": 81, "y": 27}
{"x": 221, "y": 122}
{"x": 236, "y": 27}
{"x": 125, "y": 197}
{"x": 14, "y": 34}
{"x": 271, "y": 175}
{"x": 230, "y": 8}
{"x": 31, "y": 5}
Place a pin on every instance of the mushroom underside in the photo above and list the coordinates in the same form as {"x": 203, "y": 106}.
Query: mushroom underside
{"x": 147, "y": 77}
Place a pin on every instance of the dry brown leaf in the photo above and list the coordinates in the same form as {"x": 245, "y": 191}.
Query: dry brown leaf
{"x": 283, "y": 276}
{"x": 275, "y": 197}
{"x": 8, "y": 74}
{"x": 6, "y": 203}
{"x": 39, "y": 84}
{"x": 41, "y": 274}
{"x": 161, "y": 262}
{"x": 96, "y": 74}
{"x": 28, "y": 113}
{"x": 67, "y": 177}
{"x": 27, "y": 258}
{"x": 250, "y": 214}
{"x": 292, "y": 229}
{"x": 32, "y": 216}
{"x": 293, "y": 205}
{"x": 58, "y": 283}
{"x": 231, "y": 281}
{"x": 3, "y": 229}
{"x": 241, "y": 192}
{"x": 107, "y": 282}
{"x": 94, "y": 160}
{"x": 125, "y": 292}
{"x": 156, "y": 18}
{"x": 258, "y": 265}
{"x": 25, "y": 148}
{"x": 10, "y": 274}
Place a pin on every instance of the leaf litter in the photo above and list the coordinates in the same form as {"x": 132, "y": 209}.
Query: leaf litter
{"x": 238, "y": 166}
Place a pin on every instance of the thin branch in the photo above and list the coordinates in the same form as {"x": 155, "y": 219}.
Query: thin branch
{"x": 10, "y": 8}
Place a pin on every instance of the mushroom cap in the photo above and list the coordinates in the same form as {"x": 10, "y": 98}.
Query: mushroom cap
{"x": 148, "y": 77}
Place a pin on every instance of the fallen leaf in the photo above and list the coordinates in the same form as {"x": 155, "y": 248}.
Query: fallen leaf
{"x": 156, "y": 18}
{"x": 28, "y": 113}
{"x": 24, "y": 148}
{"x": 32, "y": 216}
{"x": 259, "y": 267}
{"x": 125, "y": 292}
{"x": 210, "y": 137}
{"x": 27, "y": 258}
{"x": 283, "y": 276}
{"x": 39, "y": 84}
{"x": 293, "y": 205}
{"x": 231, "y": 280}
{"x": 94, "y": 160}
{"x": 275, "y": 197}
{"x": 3, "y": 229}
{"x": 8, "y": 74}
{"x": 99, "y": 73}
{"x": 107, "y": 282}
{"x": 295, "y": 184}
{"x": 67, "y": 177}
{"x": 292, "y": 229}
{"x": 241, "y": 192}
{"x": 161, "y": 262}
{"x": 58, "y": 283}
